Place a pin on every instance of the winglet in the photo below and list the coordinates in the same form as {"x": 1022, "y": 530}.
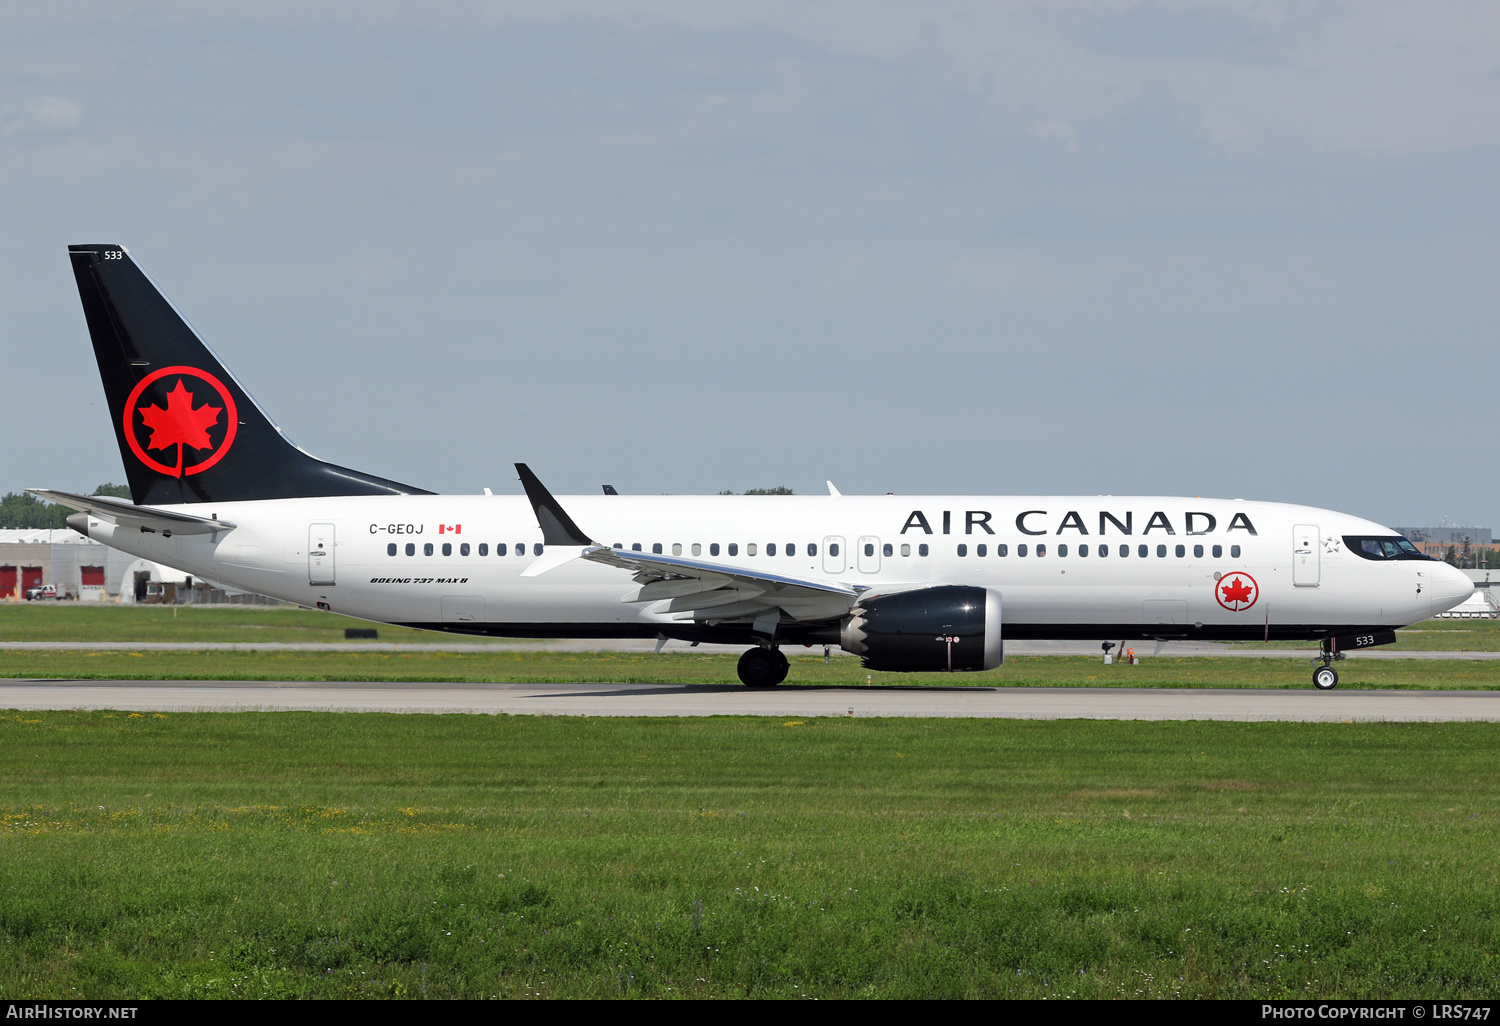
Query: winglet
{"x": 832, "y": 491}
{"x": 557, "y": 527}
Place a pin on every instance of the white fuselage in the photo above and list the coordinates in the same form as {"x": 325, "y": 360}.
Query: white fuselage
{"x": 1302, "y": 574}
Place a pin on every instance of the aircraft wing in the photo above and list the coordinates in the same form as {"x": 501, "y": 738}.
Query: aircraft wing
{"x": 710, "y": 591}
{"x": 128, "y": 515}
{"x": 693, "y": 590}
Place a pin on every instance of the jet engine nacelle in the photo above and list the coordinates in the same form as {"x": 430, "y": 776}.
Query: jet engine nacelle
{"x": 942, "y": 628}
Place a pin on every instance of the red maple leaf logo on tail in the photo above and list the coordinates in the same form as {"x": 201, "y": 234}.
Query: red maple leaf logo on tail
{"x": 180, "y": 424}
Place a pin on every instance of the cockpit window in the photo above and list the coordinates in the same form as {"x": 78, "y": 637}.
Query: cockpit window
{"x": 1382, "y": 547}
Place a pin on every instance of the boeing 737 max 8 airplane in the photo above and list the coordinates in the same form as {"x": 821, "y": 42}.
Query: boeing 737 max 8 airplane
{"x": 906, "y": 583}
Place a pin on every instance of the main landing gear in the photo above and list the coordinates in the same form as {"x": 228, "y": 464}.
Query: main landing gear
{"x": 1325, "y": 677}
{"x": 763, "y": 668}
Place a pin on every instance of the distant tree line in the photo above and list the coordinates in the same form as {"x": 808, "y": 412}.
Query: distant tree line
{"x": 778, "y": 490}
{"x": 27, "y": 512}
{"x": 1470, "y": 558}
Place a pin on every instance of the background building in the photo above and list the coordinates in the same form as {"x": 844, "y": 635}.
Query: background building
{"x": 78, "y": 566}
{"x": 83, "y": 569}
{"x": 1468, "y": 544}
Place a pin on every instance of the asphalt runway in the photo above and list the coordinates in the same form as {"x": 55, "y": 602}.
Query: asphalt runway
{"x": 786, "y": 701}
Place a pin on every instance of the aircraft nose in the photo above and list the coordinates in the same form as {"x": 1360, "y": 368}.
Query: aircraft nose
{"x": 1448, "y": 587}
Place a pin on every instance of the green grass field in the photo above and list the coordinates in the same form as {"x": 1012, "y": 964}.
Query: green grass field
{"x": 334, "y": 855}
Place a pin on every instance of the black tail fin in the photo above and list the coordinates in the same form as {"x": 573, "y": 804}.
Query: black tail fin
{"x": 187, "y": 431}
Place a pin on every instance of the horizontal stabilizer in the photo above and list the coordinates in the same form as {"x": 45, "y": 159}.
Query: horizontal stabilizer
{"x": 126, "y": 515}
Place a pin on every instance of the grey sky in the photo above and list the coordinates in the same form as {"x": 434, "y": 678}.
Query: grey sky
{"x": 1221, "y": 249}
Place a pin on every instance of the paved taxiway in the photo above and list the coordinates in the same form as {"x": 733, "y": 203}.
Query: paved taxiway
{"x": 724, "y": 700}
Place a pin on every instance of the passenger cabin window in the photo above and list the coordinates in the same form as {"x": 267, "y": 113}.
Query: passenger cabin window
{"x": 812, "y": 548}
{"x": 1002, "y": 549}
{"x": 713, "y": 548}
{"x": 1083, "y": 550}
{"x": 770, "y": 548}
{"x": 1041, "y": 550}
{"x": 411, "y": 550}
{"x": 520, "y": 548}
{"x": 536, "y": 549}
{"x": 1197, "y": 551}
{"x": 1234, "y": 552}
{"x": 905, "y": 548}
{"x": 1021, "y": 549}
{"x": 484, "y": 548}
{"x": 1062, "y": 550}
{"x": 390, "y": 550}
{"x": 886, "y": 549}
{"x": 1181, "y": 551}
{"x": 635, "y": 546}
{"x": 734, "y": 548}
{"x": 447, "y": 548}
{"x": 922, "y": 549}
{"x": 463, "y": 550}
{"x": 833, "y": 548}
{"x": 1382, "y": 547}
{"x": 981, "y": 550}
{"x": 500, "y": 549}
{"x": 1161, "y": 552}
{"x": 697, "y": 549}
{"x": 750, "y": 549}
{"x": 1218, "y": 552}
{"x": 869, "y": 548}
{"x": 656, "y": 548}
{"x": 677, "y": 548}
{"x": 1143, "y": 551}
{"x": 1125, "y": 551}
{"x": 427, "y": 549}
{"x": 1103, "y": 551}
{"x": 791, "y": 548}
{"x": 963, "y": 550}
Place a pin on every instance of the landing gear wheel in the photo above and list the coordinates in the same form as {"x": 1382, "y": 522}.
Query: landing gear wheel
{"x": 782, "y": 666}
{"x": 758, "y": 668}
{"x": 1325, "y": 678}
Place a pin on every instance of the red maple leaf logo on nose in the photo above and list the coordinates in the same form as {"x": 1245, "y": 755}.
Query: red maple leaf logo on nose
{"x": 1236, "y": 591}
{"x": 180, "y": 424}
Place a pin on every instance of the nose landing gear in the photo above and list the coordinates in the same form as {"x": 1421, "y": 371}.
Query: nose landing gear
{"x": 1325, "y": 677}
{"x": 763, "y": 668}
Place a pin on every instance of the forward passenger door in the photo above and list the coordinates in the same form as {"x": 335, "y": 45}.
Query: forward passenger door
{"x": 1307, "y": 549}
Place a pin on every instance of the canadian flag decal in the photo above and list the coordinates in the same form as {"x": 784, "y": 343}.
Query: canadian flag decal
{"x": 450, "y": 528}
